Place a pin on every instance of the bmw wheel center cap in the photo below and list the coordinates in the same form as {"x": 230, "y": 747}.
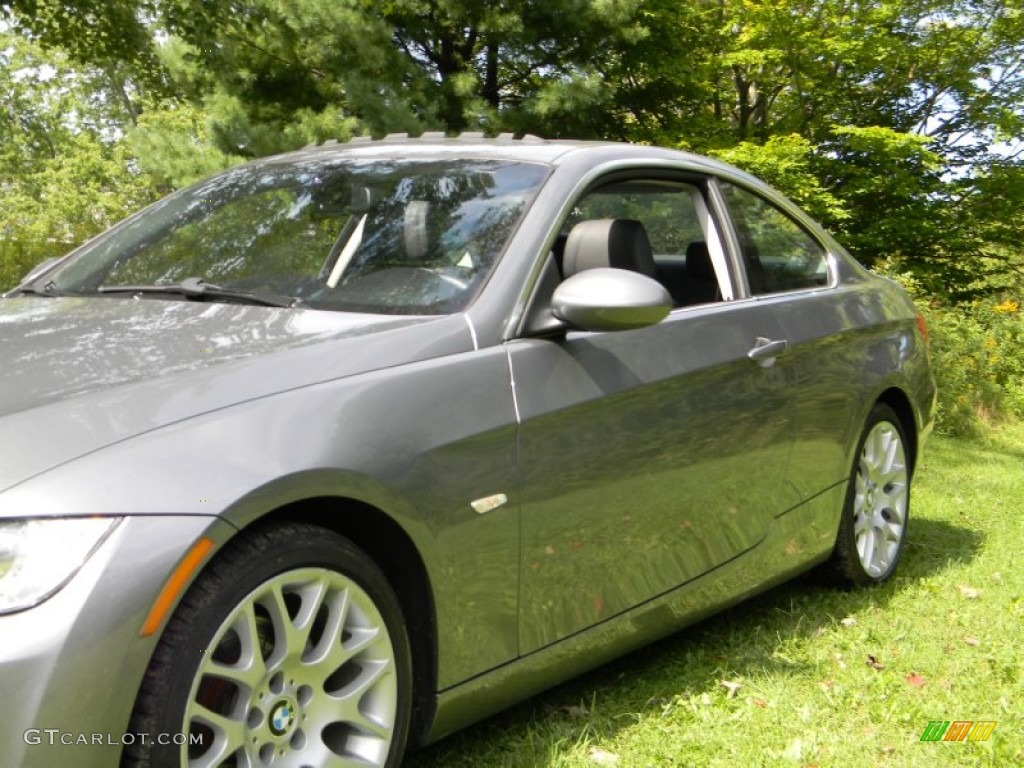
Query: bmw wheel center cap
{"x": 282, "y": 717}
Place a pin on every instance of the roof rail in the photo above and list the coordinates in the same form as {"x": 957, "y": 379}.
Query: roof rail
{"x": 432, "y": 136}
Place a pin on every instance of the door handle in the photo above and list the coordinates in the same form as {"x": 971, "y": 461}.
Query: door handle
{"x": 765, "y": 351}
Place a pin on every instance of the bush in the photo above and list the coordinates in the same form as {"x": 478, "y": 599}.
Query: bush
{"x": 975, "y": 352}
{"x": 976, "y": 356}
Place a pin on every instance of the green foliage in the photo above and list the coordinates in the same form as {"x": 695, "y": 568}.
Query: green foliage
{"x": 17, "y": 258}
{"x": 414, "y": 64}
{"x": 94, "y": 32}
{"x": 890, "y": 183}
{"x": 648, "y": 79}
{"x": 976, "y": 354}
{"x": 65, "y": 172}
{"x": 714, "y": 73}
{"x": 69, "y": 198}
{"x": 173, "y": 143}
{"x": 988, "y": 213}
{"x": 64, "y": 201}
{"x": 888, "y": 198}
{"x": 788, "y": 164}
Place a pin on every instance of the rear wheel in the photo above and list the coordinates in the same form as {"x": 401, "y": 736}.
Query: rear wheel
{"x": 289, "y": 650}
{"x": 874, "y": 523}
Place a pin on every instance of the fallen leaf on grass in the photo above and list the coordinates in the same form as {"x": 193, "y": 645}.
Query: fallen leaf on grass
{"x": 602, "y": 757}
{"x": 874, "y": 663}
{"x": 760, "y": 703}
{"x": 969, "y": 592}
{"x": 731, "y": 687}
{"x": 915, "y": 679}
{"x": 972, "y": 640}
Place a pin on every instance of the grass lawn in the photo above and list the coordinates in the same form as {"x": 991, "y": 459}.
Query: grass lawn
{"x": 806, "y": 675}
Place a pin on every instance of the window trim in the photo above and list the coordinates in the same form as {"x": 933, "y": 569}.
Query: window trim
{"x": 712, "y": 226}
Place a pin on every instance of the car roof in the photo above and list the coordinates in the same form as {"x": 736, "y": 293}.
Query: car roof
{"x": 506, "y": 146}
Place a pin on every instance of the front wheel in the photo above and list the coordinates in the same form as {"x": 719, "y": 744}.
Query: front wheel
{"x": 289, "y": 650}
{"x": 873, "y": 528}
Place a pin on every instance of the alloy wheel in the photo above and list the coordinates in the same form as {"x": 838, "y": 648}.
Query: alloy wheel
{"x": 301, "y": 673}
{"x": 880, "y": 500}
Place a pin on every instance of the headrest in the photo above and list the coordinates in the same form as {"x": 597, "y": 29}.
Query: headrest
{"x": 618, "y": 243}
{"x": 698, "y": 261}
{"x": 417, "y": 235}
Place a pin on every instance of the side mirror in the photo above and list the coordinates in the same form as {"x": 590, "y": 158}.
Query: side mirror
{"x": 606, "y": 299}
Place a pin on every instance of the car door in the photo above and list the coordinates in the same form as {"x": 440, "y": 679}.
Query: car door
{"x": 831, "y": 348}
{"x": 650, "y": 456}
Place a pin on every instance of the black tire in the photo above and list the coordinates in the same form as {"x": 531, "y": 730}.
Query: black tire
{"x": 873, "y": 527}
{"x": 311, "y": 653}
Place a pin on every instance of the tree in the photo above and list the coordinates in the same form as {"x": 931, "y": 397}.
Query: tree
{"x": 65, "y": 172}
{"x": 408, "y": 64}
{"x": 99, "y": 33}
{"x": 879, "y": 115}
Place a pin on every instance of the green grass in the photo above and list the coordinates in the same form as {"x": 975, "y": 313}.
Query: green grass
{"x": 822, "y": 677}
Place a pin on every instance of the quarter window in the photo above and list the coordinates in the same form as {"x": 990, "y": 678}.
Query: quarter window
{"x": 778, "y": 254}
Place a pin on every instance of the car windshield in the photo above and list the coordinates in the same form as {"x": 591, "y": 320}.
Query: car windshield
{"x": 378, "y": 236}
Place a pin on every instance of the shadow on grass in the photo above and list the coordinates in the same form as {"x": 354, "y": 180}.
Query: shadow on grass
{"x": 933, "y": 546}
{"x": 742, "y": 642}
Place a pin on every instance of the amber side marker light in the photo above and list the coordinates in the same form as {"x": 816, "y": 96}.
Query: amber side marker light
{"x": 922, "y": 327}
{"x": 175, "y": 584}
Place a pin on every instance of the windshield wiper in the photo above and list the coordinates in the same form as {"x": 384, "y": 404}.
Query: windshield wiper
{"x": 197, "y": 288}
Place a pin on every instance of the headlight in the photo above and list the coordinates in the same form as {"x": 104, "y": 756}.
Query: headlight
{"x": 39, "y": 556}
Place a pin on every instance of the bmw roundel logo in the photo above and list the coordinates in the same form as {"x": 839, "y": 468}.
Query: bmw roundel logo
{"x": 282, "y": 717}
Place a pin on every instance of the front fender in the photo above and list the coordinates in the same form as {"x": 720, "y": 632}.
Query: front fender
{"x": 420, "y": 442}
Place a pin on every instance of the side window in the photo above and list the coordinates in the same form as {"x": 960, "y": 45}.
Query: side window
{"x": 676, "y": 220}
{"x": 778, "y": 254}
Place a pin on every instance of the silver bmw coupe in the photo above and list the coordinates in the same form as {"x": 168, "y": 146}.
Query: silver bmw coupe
{"x": 338, "y": 451}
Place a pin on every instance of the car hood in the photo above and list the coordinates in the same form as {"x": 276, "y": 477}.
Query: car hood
{"x": 77, "y": 374}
